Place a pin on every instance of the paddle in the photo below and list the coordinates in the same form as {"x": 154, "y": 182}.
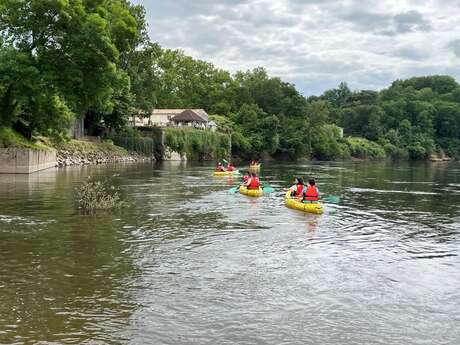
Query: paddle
{"x": 234, "y": 190}
{"x": 267, "y": 188}
{"x": 333, "y": 199}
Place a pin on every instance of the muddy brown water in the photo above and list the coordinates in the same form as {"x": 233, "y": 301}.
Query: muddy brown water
{"x": 188, "y": 263}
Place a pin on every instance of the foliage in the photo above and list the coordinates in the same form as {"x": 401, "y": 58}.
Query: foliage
{"x": 92, "y": 196}
{"x": 198, "y": 144}
{"x": 142, "y": 145}
{"x": 412, "y": 119}
{"x": 61, "y": 59}
{"x": 328, "y": 145}
{"x": 363, "y": 148}
{"x": 10, "y": 138}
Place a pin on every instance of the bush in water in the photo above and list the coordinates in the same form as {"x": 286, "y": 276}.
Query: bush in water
{"x": 97, "y": 195}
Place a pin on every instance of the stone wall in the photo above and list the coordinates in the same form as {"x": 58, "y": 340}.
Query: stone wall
{"x": 25, "y": 161}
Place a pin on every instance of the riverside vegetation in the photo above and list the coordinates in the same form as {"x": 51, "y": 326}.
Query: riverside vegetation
{"x": 93, "y": 195}
{"x": 62, "y": 60}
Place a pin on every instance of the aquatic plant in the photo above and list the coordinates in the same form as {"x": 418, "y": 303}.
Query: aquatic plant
{"x": 97, "y": 195}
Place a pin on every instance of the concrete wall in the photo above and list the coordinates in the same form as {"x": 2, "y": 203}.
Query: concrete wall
{"x": 23, "y": 161}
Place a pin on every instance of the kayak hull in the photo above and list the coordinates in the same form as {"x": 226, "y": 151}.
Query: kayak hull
{"x": 315, "y": 208}
{"x": 255, "y": 193}
{"x": 225, "y": 173}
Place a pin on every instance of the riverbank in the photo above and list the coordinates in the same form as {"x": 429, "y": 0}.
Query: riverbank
{"x": 76, "y": 152}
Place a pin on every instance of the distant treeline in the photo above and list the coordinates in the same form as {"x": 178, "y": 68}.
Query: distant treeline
{"x": 61, "y": 60}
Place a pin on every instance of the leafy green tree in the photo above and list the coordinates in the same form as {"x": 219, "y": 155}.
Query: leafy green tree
{"x": 73, "y": 49}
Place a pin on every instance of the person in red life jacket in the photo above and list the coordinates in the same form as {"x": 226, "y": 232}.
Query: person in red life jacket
{"x": 230, "y": 167}
{"x": 246, "y": 177}
{"x": 220, "y": 167}
{"x": 253, "y": 182}
{"x": 298, "y": 188}
{"x": 312, "y": 192}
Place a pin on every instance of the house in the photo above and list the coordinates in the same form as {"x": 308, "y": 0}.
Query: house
{"x": 189, "y": 118}
{"x": 173, "y": 118}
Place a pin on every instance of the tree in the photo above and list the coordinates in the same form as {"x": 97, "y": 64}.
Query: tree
{"x": 73, "y": 49}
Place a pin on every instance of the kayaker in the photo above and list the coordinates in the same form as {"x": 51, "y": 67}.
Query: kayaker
{"x": 253, "y": 182}
{"x": 230, "y": 167}
{"x": 312, "y": 193}
{"x": 220, "y": 167}
{"x": 297, "y": 189}
{"x": 246, "y": 177}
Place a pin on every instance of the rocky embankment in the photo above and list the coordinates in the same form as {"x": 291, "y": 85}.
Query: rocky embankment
{"x": 87, "y": 153}
{"x": 440, "y": 157}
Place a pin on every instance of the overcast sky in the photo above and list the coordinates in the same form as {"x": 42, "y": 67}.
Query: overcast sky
{"x": 315, "y": 44}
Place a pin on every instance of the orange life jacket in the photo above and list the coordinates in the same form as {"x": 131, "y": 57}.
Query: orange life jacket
{"x": 299, "y": 189}
{"x": 312, "y": 194}
{"x": 255, "y": 184}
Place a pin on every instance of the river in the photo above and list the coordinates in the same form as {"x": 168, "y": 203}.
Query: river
{"x": 185, "y": 262}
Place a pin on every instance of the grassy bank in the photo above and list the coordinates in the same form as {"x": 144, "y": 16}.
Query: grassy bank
{"x": 78, "y": 147}
{"x": 10, "y": 138}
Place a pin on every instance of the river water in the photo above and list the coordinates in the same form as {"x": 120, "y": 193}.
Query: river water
{"x": 185, "y": 262}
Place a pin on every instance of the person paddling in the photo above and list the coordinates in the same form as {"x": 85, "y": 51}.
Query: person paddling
{"x": 311, "y": 194}
{"x": 253, "y": 182}
{"x": 220, "y": 167}
{"x": 246, "y": 177}
{"x": 297, "y": 189}
{"x": 230, "y": 167}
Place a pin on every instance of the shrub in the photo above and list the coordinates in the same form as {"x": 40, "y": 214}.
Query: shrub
{"x": 395, "y": 152}
{"x": 10, "y": 138}
{"x": 451, "y": 146}
{"x": 198, "y": 144}
{"x": 363, "y": 148}
{"x": 327, "y": 143}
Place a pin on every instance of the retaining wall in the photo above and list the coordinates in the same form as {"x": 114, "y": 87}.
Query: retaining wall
{"x": 24, "y": 161}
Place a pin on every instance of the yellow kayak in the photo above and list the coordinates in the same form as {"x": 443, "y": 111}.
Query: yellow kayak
{"x": 251, "y": 192}
{"x": 314, "y": 207}
{"x": 225, "y": 173}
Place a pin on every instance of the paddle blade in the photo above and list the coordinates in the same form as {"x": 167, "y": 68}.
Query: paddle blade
{"x": 267, "y": 189}
{"x": 233, "y": 190}
{"x": 333, "y": 199}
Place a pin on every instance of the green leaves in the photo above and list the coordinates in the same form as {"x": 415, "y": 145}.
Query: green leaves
{"x": 61, "y": 58}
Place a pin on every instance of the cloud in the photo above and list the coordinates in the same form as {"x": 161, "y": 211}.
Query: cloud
{"x": 368, "y": 21}
{"x": 411, "y": 21}
{"x": 315, "y": 43}
{"x": 455, "y": 47}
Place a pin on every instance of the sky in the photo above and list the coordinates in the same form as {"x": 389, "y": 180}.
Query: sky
{"x": 315, "y": 44}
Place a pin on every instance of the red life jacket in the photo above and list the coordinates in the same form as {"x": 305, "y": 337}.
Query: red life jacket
{"x": 299, "y": 190}
{"x": 255, "y": 184}
{"x": 312, "y": 194}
